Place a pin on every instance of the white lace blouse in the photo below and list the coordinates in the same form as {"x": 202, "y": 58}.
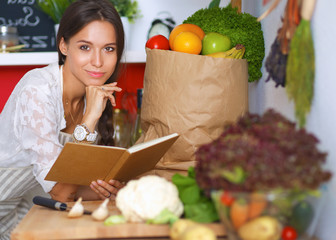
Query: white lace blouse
{"x": 31, "y": 122}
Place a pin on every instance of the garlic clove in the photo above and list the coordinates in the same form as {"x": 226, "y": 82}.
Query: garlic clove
{"x": 77, "y": 210}
{"x": 101, "y": 213}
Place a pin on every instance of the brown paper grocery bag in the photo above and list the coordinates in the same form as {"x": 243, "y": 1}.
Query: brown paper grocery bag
{"x": 192, "y": 95}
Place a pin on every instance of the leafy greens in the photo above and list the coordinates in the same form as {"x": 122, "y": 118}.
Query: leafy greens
{"x": 262, "y": 153}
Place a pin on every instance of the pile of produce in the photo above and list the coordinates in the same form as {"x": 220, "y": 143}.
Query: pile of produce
{"x": 261, "y": 153}
{"x": 218, "y": 30}
{"x": 241, "y": 28}
{"x": 190, "y": 38}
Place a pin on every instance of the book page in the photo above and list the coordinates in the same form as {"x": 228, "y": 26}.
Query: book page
{"x": 143, "y": 145}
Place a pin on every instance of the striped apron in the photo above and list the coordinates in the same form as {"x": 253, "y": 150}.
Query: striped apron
{"x": 15, "y": 182}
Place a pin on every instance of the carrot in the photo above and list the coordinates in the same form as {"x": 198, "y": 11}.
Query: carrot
{"x": 257, "y": 204}
{"x": 268, "y": 11}
{"x": 296, "y": 13}
{"x": 239, "y": 212}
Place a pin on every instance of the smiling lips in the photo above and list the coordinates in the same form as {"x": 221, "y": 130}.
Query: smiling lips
{"x": 95, "y": 74}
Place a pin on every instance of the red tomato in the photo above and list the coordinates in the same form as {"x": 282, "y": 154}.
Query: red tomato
{"x": 289, "y": 233}
{"x": 226, "y": 198}
{"x": 158, "y": 42}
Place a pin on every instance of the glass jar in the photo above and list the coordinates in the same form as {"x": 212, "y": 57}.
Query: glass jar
{"x": 8, "y": 37}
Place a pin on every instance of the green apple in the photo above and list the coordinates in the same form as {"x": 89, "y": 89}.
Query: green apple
{"x": 215, "y": 42}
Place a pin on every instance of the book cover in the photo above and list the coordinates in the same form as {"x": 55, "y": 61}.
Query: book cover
{"x": 83, "y": 163}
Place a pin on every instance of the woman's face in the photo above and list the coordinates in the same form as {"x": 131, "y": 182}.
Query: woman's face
{"x": 91, "y": 54}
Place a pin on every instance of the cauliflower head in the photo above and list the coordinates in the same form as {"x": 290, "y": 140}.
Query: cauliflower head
{"x": 145, "y": 198}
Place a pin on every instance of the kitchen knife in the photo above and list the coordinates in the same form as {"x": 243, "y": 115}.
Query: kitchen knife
{"x": 53, "y": 204}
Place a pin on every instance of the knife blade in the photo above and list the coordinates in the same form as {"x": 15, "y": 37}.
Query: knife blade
{"x": 53, "y": 204}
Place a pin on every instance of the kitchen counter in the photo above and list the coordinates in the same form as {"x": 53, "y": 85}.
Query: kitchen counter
{"x": 45, "y": 223}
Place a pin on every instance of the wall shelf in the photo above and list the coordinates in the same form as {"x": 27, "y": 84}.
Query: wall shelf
{"x": 44, "y": 58}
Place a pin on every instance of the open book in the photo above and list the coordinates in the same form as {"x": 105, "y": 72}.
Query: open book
{"x": 83, "y": 163}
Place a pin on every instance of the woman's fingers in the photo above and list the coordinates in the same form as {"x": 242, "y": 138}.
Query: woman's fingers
{"x": 96, "y": 98}
{"x": 103, "y": 192}
{"x": 105, "y": 92}
{"x": 109, "y": 89}
{"x": 116, "y": 184}
{"x": 94, "y": 188}
{"x": 106, "y": 190}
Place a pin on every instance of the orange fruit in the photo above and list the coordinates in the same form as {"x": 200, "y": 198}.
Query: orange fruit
{"x": 185, "y": 27}
{"x": 187, "y": 42}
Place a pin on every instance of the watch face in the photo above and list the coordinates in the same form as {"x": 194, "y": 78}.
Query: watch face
{"x": 80, "y": 133}
{"x": 159, "y": 28}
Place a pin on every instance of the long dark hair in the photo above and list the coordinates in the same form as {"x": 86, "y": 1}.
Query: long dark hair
{"x": 77, "y": 16}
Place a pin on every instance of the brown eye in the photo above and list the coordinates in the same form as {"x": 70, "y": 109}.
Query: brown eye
{"x": 84, "y": 47}
{"x": 109, "y": 49}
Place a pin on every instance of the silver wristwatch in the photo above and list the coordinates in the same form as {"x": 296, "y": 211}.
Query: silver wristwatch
{"x": 83, "y": 134}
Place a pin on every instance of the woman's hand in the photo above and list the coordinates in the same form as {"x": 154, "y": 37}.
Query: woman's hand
{"x": 96, "y": 98}
{"x": 64, "y": 192}
{"x": 106, "y": 190}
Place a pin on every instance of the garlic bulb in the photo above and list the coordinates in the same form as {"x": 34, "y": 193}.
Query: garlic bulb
{"x": 101, "y": 212}
{"x": 77, "y": 210}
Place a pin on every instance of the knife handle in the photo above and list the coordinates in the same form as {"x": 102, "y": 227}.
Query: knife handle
{"x": 50, "y": 203}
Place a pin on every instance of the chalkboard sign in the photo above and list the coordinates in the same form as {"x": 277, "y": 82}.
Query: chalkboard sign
{"x": 35, "y": 28}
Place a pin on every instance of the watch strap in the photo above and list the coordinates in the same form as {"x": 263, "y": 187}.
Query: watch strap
{"x": 90, "y": 137}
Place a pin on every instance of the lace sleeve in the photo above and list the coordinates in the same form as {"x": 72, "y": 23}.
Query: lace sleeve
{"x": 37, "y": 129}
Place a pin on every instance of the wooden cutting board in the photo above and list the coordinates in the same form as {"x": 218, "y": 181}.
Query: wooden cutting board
{"x": 45, "y": 223}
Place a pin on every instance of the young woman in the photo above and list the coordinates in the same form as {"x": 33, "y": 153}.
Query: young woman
{"x": 71, "y": 99}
